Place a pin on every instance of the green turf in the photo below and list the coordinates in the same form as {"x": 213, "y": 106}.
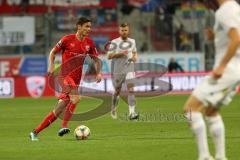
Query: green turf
{"x": 152, "y": 138}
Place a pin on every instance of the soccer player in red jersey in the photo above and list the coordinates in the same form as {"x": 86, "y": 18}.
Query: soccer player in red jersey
{"x": 72, "y": 46}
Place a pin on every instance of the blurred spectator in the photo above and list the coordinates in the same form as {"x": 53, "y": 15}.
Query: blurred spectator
{"x": 144, "y": 47}
{"x": 94, "y": 16}
{"x": 185, "y": 44}
{"x": 173, "y": 66}
{"x": 179, "y": 30}
{"x": 24, "y": 6}
{"x": 108, "y": 19}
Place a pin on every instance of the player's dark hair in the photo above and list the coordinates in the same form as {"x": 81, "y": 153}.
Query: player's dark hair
{"x": 124, "y": 24}
{"x": 82, "y": 20}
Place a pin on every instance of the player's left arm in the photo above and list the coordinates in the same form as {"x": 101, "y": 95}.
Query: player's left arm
{"x": 134, "y": 53}
{"x": 98, "y": 65}
{"x": 233, "y": 45}
{"x": 134, "y": 57}
{"x": 98, "y": 62}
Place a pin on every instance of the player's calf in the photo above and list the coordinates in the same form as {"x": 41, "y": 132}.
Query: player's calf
{"x": 115, "y": 100}
{"x": 217, "y": 131}
{"x": 195, "y": 118}
{"x": 60, "y": 107}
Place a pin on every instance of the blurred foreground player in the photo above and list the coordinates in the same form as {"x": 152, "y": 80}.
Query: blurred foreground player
{"x": 218, "y": 88}
{"x": 123, "y": 54}
{"x": 72, "y": 46}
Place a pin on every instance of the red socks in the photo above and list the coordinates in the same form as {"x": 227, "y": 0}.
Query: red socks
{"x": 46, "y": 122}
{"x": 68, "y": 114}
{"x": 50, "y": 118}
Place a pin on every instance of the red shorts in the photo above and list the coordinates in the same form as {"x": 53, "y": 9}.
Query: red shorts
{"x": 70, "y": 86}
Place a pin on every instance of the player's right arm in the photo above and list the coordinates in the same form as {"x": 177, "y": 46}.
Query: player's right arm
{"x": 116, "y": 55}
{"x": 58, "y": 47}
{"x": 230, "y": 23}
{"x": 51, "y": 61}
{"x": 233, "y": 45}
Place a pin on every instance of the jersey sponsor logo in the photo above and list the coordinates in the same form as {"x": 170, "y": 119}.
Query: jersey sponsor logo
{"x": 35, "y": 85}
{"x": 124, "y": 45}
{"x": 74, "y": 53}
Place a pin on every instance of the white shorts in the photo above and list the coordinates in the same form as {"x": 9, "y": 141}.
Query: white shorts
{"x": 119, "y": 79}
{"x": 219, "y": 92}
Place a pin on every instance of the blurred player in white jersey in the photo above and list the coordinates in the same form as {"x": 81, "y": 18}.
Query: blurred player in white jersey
{"x": 219, "y": 87}
{"x": 123, "y": 53}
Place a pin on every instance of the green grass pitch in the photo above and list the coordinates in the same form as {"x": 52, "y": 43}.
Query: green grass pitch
{"x": 110, "y": 139}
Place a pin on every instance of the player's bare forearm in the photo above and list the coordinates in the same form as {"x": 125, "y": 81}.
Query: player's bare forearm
{"x": 232, "y": 48}
{"x": 51, "y": 61}
{"x": 116, "y": 55}
{"x": 98, "y": 63}
{"x": 134, "y": 57}
{"x": 231, "y": 51}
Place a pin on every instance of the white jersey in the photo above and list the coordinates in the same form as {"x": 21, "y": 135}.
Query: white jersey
{"x": 227, "y": 17}
{"x": 119, "y": 45}
{"x": 220, "y": 92}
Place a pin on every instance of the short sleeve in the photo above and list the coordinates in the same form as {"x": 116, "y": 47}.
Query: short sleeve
{"x": 134, "y": 48}
{"x": 229, "y": 19}
{"x": 111, "y": 47}
{"x": 61, "y": 44}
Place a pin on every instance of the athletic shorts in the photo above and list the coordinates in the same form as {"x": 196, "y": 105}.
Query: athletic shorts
{"x": 70, "y": 87}
{"x": 219, "y": 92}
{"x": 119, "y": 79}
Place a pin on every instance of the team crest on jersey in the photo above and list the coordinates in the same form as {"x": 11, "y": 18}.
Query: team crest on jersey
{"x": 35, "y": 85}
{"x": 72, "y": 44}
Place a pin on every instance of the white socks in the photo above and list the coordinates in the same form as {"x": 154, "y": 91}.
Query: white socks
{"x": 131, "y": 103}
{"x": 198, "y": 127}
{"x": 217, "y": 130}
{"x": 131, "y": 109}
{"x": 115, "y": 100}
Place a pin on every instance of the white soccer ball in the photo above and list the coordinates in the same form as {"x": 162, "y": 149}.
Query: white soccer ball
{"x": 82, "y": 132}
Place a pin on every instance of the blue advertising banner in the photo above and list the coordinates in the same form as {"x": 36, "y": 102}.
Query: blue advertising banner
{"x": 34, "y": 65}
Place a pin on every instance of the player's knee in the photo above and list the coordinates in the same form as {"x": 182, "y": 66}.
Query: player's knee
{"x": 130, "y": 87}
{"x": 187, "y": 106}
{"x": 192, "y": 105}
{"x": 60, "y": 107}
{"x": 75, "y": 99}
{"x": 64, "y": 98}
{"x": 131, "y": 91}
{"x": 117, "y": 92}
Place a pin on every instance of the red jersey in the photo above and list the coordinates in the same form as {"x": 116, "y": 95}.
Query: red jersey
{"x": 72, "y": 47}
